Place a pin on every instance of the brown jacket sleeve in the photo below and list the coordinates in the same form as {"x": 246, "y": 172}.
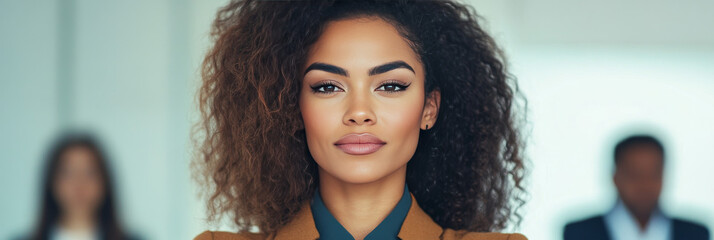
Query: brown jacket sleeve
{"x": 494, "y": 236}
{"x": 211, "y": 235}
{"x": 450, "y": 234}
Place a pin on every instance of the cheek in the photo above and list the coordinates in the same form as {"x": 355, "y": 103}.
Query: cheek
{"x": 315, "y": 115}
{"x": 61, "y": 188}
{"x": 68, "y": 191}
{"x": 95, "y": 187}
{"x": 321, "y": 120}
{"x": 402, "y": 120}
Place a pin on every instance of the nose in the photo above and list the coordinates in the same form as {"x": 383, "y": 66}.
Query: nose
{"x": 359, "y": 112}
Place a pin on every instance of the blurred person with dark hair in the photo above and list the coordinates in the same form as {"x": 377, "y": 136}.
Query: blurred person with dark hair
{"x": 77, "y": 198}
{"x": 639, "y": 167}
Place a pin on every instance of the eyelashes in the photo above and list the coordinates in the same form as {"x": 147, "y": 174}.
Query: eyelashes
{"x": 393, "y": 86}
{"x": 326, "y": 87}
{"x": 330, "y": 86}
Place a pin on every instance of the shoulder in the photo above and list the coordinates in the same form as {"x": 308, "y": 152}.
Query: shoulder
{"x": 689, "y": 227}
{"x": 450, "y": 234}
{"x": 594, "y": 221}
{"x": 132, "y": 237}
{"x": 216, "y": 235}
{"x": 588, "y": 228}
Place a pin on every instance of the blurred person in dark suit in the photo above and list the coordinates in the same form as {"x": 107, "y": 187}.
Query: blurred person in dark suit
{"x": 77, "y": 198}
{"x": 639, "y": 165}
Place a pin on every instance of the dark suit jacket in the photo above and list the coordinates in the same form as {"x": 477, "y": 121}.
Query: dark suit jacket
{"x": 594, "y": 228}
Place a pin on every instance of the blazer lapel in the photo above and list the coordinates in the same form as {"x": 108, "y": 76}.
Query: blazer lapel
{"x": 301, "y": 227}
{"x": 418, "y": 224}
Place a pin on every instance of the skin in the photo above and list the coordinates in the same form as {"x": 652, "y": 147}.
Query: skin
{"x": 638, "y": 178}
{"x": 78, "y": 188}
{"x": 360, "y": 190}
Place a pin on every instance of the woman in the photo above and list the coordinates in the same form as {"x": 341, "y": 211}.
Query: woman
{"x": 77, "y": 195}
{"x": 358, "y": 120}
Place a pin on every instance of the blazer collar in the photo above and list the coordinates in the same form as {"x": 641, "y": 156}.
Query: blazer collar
{"x": 417, "y": 225}
{"x": 302, "y": 226}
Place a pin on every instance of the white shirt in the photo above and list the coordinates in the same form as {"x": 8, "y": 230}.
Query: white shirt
{"x": 623, "y": 226}
{"x": 59, "y": 233}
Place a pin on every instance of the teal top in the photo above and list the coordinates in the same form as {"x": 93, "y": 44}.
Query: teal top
{"x": 330, "y": 229}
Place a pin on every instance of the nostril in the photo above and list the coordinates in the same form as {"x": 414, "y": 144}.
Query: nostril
{"x": 360, "y": 121}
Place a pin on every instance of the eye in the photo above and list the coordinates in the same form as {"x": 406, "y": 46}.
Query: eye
{"x": 393, "y": 86}
{"x": 326, "y": 87}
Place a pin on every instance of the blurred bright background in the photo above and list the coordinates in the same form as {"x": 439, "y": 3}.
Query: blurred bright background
{"x": 592, "y": 71}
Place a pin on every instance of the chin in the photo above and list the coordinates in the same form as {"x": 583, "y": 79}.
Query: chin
{"x": 360, "y": 177}
{"x": 361, "y": 171}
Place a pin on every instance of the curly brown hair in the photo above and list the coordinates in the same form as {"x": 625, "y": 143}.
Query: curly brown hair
{"x": 253, "y": 157}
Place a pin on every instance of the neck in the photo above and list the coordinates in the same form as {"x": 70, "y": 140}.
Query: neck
{"x": 642, "y": 220}
{"x": 77, "y": 221}
{"x": 360, "y": 207}
{"x": 642, "y": 217}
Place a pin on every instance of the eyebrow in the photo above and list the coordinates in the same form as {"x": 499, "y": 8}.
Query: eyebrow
{"x": 372, "y": 71}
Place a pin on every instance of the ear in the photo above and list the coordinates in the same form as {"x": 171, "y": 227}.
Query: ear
{"x": 431, "y": 109}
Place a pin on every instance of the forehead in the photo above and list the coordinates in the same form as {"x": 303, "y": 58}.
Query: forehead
{"x": 361, "y": 43}
{"x": 77, "y": 155}
{"x": 642, "y": 155}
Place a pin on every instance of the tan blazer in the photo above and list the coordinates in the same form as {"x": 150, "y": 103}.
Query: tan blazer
{"x": 417, "y": 225}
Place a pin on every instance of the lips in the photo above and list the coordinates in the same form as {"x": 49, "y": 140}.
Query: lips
{"x": 359, "y": 144}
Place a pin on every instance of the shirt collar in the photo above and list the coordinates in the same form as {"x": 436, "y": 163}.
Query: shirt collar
{"x": 329, "y": 228}
{"x": 622, "y": 225}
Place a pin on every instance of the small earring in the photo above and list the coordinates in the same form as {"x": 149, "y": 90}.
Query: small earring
{"x": 427, "y": 127}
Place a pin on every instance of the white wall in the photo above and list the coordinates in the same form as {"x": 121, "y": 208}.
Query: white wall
{"x": 28, "y": 111}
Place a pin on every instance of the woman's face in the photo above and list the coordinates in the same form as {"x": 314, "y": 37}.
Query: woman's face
{"x": 362, "y": 100}
{"x": 78, "y": 186}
